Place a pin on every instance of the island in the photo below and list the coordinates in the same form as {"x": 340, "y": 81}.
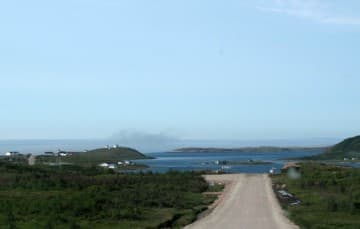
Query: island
{"x": 116, "y": 157}
{"x": 261, "y": 149}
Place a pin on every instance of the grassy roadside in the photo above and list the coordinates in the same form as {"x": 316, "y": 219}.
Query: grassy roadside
{"x": 81, "y": 197}
{"x": 329, "y": 195}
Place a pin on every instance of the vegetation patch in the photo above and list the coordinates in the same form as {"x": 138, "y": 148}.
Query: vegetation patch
{"x": 329, "y": 196}
{"x": 348, "y": 150}
{"x": 92, "y": 157}
{"x": 92, "y": 197}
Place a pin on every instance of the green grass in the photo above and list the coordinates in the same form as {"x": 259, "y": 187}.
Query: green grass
{"x": 152, "y": 219}
{"x": 330, "y": 196}
{"x": 90, "y": 197}
{"x": 216, "y": 188}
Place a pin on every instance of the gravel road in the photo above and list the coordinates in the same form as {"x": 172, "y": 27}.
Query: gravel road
{"x": 248, "y": 202}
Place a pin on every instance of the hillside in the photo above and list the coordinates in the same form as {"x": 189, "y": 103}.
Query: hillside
{"x": 348, "y": 148}
{"x": 96, "y": 156}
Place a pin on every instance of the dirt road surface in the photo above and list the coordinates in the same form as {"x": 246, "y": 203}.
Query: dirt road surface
{"x": 248, "y": 202}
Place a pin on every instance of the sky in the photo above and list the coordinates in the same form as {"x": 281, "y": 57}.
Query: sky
{"x": 204, "y": 69}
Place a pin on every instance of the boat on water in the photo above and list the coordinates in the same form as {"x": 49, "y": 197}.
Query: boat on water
{"x": 225, "y": 167}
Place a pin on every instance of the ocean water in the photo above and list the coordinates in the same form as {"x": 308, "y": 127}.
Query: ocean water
{"x": 166, "y": 161}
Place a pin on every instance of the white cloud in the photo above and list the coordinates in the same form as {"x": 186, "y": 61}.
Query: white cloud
{"x": 314, "y": 10}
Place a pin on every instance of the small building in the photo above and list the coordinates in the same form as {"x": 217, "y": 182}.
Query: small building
{"x": 49, "y": 154}
{"x": 63, "y": 154}
{"x": 115, "y": 146}
{"x": 108, "y": 165}
{"x": 11, "y": 153}
{"x": 104, "y": 165}
{"x": 112, "y": 166}
{"x": 127, "y": 162}
{"x": 120, "y": 163}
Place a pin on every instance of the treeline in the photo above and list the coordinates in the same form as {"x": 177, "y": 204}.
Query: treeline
{"x": 46, "y": 197}
{"x": 330, "y": 196}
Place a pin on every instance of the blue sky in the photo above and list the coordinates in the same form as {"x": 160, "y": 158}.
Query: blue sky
{"x": 271, "y": 69}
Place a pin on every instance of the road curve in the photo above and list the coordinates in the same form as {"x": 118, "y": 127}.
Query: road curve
{"x": 248, "y": 203}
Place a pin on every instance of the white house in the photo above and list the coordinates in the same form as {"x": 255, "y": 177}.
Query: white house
{"x": 104, "y": 165}
{"x": 112, "y": 166}
{"x": 9, "y": 154}
{"x": 120, "y": 163}
{"x": 49, "y": 154}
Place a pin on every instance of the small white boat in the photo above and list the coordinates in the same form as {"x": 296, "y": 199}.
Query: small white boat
{"x": 224, "y": 167}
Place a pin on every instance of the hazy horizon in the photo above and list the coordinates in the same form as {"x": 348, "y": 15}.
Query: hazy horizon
{"x": 151, "y": 144}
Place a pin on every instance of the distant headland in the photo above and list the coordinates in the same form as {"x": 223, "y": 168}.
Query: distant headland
{"x": 248, "y": 149}
{"x": 348, "y": 149}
